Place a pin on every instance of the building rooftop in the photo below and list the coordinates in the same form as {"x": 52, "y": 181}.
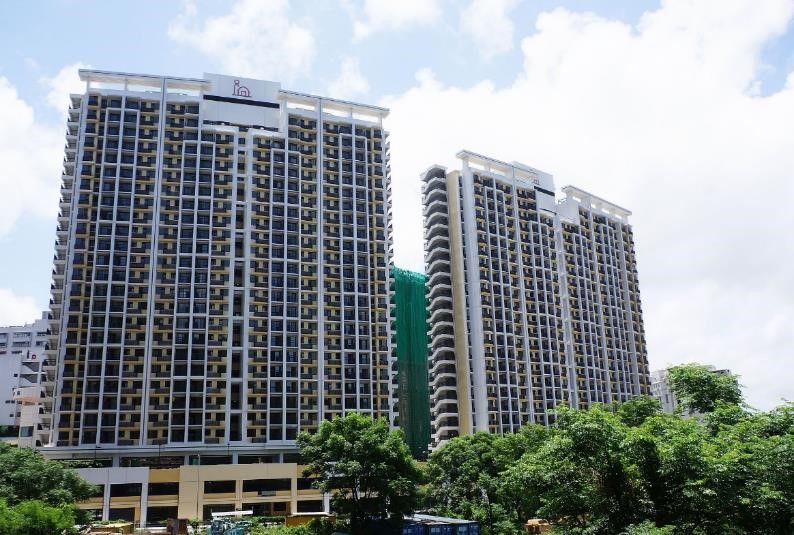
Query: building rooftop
{"x": 593, "y": 201}
{"x": 99, "y": 79}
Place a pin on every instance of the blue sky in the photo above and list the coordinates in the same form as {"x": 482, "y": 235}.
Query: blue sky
{"x": 679, "y": 110}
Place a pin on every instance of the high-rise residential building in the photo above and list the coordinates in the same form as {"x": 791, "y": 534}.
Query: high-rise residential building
{"x": 410, "y": 325}
{"x": 532, "y": 302}
{"x": 22, "y": 362}
{"x": 221, "y": 284}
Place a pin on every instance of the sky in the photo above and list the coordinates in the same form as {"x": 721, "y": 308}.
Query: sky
{"x": 680, "y": 110}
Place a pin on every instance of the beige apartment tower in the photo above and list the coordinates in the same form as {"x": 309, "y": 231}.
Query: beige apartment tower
{"x": 532, "y": 302}
{"x": 221, "y": 273}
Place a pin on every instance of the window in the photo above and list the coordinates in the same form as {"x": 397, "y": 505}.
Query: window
{"x": 219, "y": 487}
{"x": 125, "y": 489}
{"x": 164, "y": 489}
{"x": 266, "y": 485}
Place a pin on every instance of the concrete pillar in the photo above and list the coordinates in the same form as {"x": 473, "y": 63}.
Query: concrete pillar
{"x": 106, "y": 500}
{"x": 293, "y": 495}
{"x": 144, "y": 502}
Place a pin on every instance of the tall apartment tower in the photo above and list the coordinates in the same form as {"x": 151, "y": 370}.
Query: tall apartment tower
{"x": 532, "y": 302}
{"x": 221, "y": 276}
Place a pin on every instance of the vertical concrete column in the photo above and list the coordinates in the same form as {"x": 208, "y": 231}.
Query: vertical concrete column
{"x": 199, "y": 493}
{"x": 144, "y": 502}
{"x": 293, "y": 495}
{"x": 189, "y": 492}
{"x": 106, "y": 500}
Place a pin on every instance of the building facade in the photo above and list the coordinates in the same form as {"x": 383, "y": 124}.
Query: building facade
{"x": 22, "y": 361}
{"x": 532, "y": 302}
{"x": 221, "y": 277}
{"x": 661, "y": 390}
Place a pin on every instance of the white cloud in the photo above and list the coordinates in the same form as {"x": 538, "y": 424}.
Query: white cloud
{"x": 31, "y": 160}
{"x": 17, "y": 309}
{"x": 488, "y": 23}
{"x": 662, "y": 118}
{"x": 256, "y": 38}
{"x": 350, "y": 83}
{"x": 64, "y": 83}
{"x": 390, "y": 15}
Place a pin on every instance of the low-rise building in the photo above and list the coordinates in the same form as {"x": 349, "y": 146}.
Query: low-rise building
{"x": 22, "y": 362}
{"x": 191, "y": 487}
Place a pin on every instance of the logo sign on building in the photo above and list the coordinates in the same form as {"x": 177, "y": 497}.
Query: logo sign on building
{"x": 242, "y": 101}
{"x": 240, "y": 90}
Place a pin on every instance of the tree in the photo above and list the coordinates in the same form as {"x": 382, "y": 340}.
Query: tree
{"x": 676, "y": 465}
{"x": 636, "y": 410}
{"x": 586, "y": 475}
{"x": 627, "y": 469}
{"x": 754, "y": 463}
{"x": 34, "y": 517}
{"x": 700, "y": 389}
{"x": 367, "y": 468}
{"x": 26, "y": 475}
{"x": 465, "y": 478}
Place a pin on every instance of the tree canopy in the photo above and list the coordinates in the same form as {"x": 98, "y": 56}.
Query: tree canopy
{"x": 37, "y": 496}
{"x": 26, "y": 475}
{"x": 367, "y": 468}
{"x": 33, "y": 517}
{"x": 699, "y": 388}
{"x": 626, "y": 468}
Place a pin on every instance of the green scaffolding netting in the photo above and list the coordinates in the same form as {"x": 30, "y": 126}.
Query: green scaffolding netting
{"x": 410, "y": 317}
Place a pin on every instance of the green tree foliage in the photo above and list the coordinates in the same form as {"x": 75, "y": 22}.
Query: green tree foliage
{"x": 635, "y": 411}
{"x": 26, "y": 475}
{"x": 699, "y": 389}
{"x": 627, "y": 469}
{"x": 315, "y": 527}
{"x": 464, "y": 478}
{"x": 37, "y": 496}
{"x": 34, "y": 517}
{"x": 587, "y": 474}
{"x": 367, "y": 468}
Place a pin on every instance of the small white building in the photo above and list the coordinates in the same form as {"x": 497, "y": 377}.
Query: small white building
{"x": 660, "y": 389}
{"x": 22, "y": 360}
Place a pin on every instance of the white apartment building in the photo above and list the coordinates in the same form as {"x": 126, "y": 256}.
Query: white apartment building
{"x": 660, "y": 389}
{"x": 532, "y": 302}
{"x": 22, "y": 361}
{"x": 221, "y": 284}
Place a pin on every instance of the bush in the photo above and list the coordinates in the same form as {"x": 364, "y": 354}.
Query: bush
{"x": 34, "y": 517}
{"x": 262, "y": 520}
{"x": 315, "y": 527}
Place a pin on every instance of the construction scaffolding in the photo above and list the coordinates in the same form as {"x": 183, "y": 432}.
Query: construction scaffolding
{"x": 410, "y": 323}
